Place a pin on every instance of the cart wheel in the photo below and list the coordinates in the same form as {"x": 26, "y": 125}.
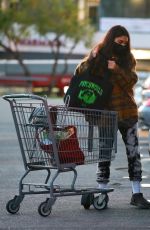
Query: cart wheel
{"x": 11, "y": 206}
{"x": 87, "y": 200}
{"x": 100, "y": 202}
{"x": 43, "y": 210}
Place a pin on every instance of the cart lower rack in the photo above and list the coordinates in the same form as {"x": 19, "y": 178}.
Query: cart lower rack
{"x": 60, "y": 139}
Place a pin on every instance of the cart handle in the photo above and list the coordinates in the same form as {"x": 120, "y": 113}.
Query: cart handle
{"x": 10, "y": 97}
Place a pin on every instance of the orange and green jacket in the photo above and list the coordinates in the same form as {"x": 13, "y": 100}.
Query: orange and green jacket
{"x": 123, "y": 95}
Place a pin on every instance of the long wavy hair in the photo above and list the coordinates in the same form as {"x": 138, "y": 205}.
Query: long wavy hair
{"x": 98, "y": 64}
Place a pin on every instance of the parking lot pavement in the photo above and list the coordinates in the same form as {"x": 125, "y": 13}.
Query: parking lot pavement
{"x": 67, "y": 213}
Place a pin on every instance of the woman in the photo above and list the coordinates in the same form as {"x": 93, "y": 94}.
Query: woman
{"x": 113, "y": 54}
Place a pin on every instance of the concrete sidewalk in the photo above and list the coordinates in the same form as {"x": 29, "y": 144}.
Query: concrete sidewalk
{"x": 67, "y": 213}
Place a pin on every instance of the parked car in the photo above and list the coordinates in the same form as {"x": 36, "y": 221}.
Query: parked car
{"x": 145, "y": 94}
{"x": 146, "y": 83}
{"x": 39, "y": 82}
{"x": 144, "y": 115}
{"x": 138, "y": 94}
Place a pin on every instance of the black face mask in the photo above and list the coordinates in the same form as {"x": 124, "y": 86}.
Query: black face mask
{"x": 119, "y": 49}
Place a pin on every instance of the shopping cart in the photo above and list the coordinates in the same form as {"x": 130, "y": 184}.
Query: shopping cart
{"x": 60, "y": 139}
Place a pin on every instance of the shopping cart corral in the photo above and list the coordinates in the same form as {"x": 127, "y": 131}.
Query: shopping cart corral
{"x": 61, "y": 139}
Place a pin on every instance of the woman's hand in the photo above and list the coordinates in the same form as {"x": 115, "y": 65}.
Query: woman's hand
{"x": 112, "y": 65}
{"x": 94, "y": 52}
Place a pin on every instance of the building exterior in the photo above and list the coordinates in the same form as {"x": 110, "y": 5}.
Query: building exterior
{"x": 133, "y": 14}
{"x": 103, "y": 14}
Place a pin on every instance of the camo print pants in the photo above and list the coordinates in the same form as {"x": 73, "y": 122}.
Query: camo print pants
{"x": 130, "y": 139}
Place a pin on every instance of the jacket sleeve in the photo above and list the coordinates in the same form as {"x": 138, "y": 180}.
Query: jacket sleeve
{"x": 125, "y": 79}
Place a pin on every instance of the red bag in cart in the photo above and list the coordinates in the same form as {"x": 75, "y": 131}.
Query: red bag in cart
{"x": 68, "y": 147}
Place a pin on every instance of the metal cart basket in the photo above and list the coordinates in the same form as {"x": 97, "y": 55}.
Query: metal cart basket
{"x": 60, "y": 139}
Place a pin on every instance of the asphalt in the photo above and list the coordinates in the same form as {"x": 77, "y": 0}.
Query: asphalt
{"x": 67, "y": 212}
